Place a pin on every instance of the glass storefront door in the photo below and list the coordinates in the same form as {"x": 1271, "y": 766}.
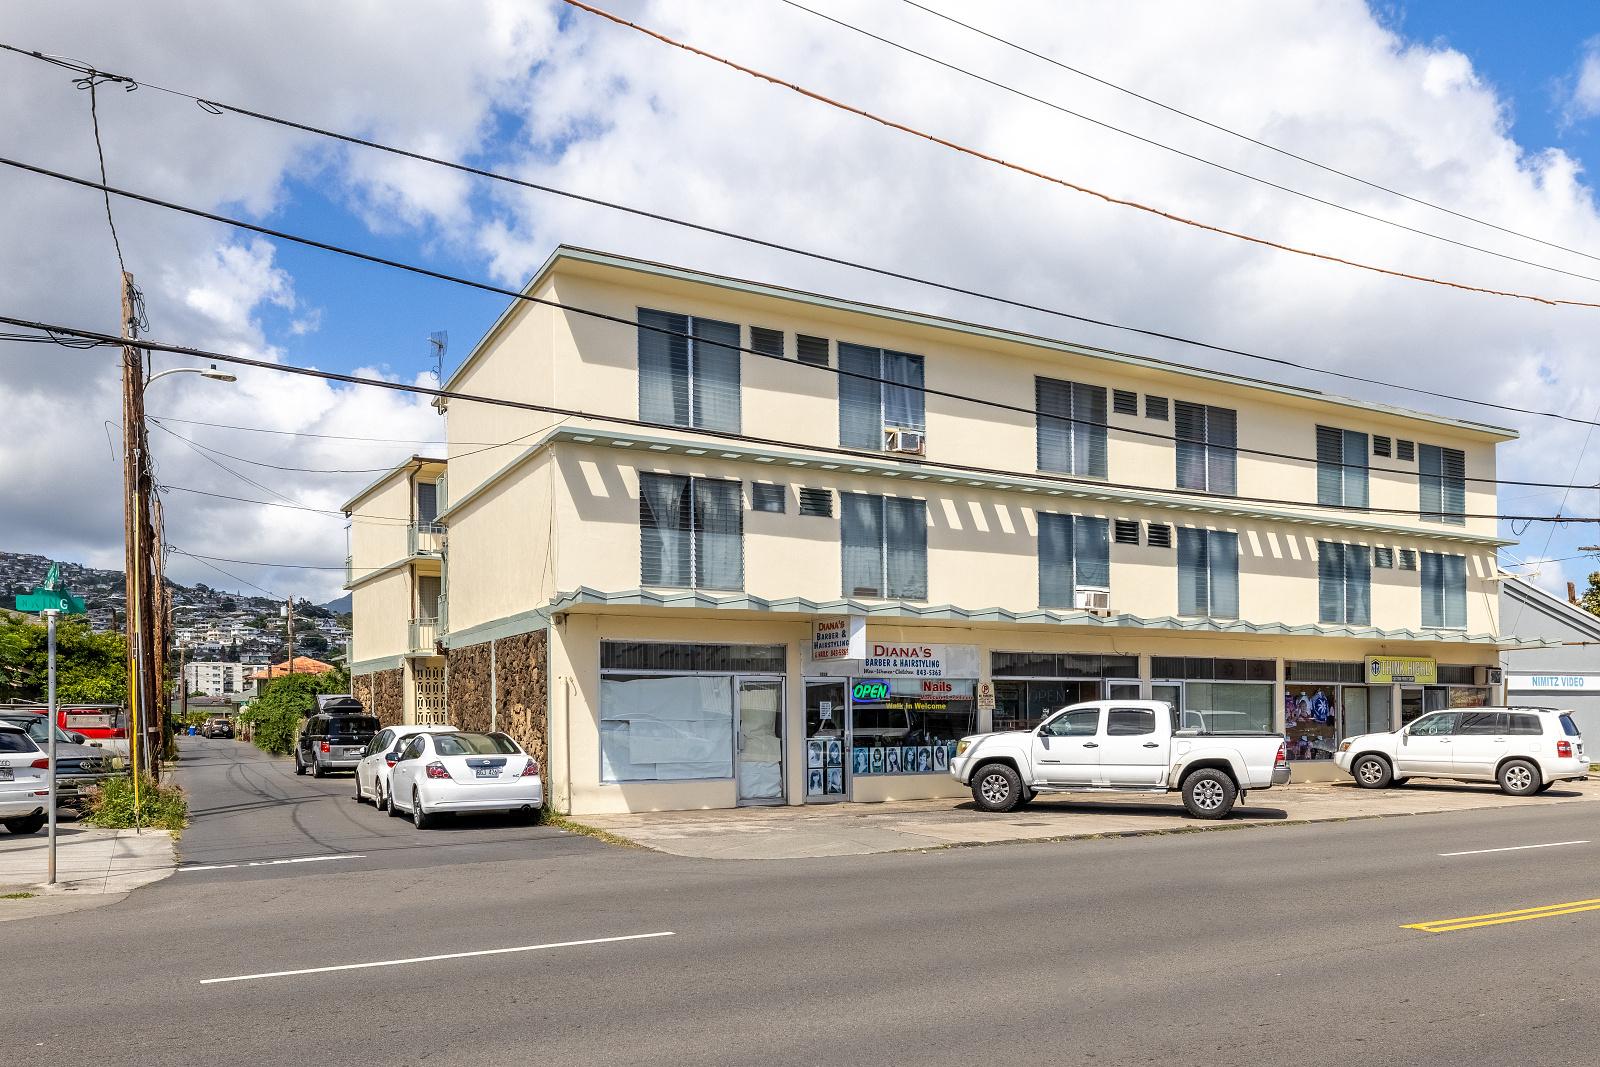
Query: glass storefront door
{"x": 760, "y": 742}
{"x": 827, "y": 712}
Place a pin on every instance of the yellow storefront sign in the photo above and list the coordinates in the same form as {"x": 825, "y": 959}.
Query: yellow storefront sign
{"x": 1391, "y": 669}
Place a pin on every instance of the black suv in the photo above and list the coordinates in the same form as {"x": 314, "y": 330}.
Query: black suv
{"x": 334, "y": 739}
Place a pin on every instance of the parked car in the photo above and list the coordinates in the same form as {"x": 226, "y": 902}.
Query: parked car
{"x": 1120, "y": 746}
{"x": 333, "y": 741}
{"x": 1526, "y": 750}
{"x": 459, "y": 771}
{"x": 217, "y": 726}
{"x": 78, "y": 766}
{"x": 373, "y": 772}
{"x": 24, "y": 781}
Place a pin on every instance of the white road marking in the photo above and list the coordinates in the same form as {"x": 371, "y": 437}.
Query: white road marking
{"x": 1513, "y": 848}
{"x": 431, "y": 959}
{"x": 274, "y": 863}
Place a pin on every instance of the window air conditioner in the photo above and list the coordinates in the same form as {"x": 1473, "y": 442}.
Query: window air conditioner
{"x": 1486, "y": 676}
{"x": 903, "y": 441}
{"x": 1093, "y": 599}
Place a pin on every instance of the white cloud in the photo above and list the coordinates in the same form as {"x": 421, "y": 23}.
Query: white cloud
{"x": 1585, "y": 101}
{"x": 600, "y": 109}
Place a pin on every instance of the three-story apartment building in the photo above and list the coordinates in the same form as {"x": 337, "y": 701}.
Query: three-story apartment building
{"x": 996, "y": 524}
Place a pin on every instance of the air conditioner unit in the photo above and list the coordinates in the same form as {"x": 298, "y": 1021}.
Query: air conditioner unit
{"x": 903, "y": 441}
{"x": 1487, "y": 676}
{"x": 1093, "y": 599}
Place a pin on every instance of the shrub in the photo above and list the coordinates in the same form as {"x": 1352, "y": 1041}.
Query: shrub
{"x": 110, "y": 805}
{"x": 284, "y": 703}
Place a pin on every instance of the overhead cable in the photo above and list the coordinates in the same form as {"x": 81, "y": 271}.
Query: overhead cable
{"x": 1083, "y": 483}
{"x": 1107, "y": 197}
{"x": 1180, "y": 152}
{"x": 1246, "y": 137}
{"x": 216, "y": 107}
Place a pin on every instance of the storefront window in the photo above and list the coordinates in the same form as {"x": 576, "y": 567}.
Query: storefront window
{"x": 1466, "y": 696}
{"x": 666, "y": 729}
{"x": 1024, "y": 705}
{"x": 909, "y": 725}
{"x": 1310, "y": 721}
{"x": 1226, "y": 706}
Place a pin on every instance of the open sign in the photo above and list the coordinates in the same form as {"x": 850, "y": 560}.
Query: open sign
{"x": 870, "y": 691}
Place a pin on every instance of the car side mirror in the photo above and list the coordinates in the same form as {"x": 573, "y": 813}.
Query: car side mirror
{"x": 78, "y": 739}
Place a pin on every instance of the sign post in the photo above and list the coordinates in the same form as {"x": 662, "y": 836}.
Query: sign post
{"x": 50, "y": 601}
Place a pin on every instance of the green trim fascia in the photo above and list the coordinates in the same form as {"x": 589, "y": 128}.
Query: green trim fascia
{"x": 373, "y": 666}
{"x": 662, "y": 270}
{"x": 396, "y": 565}
{"x": 1039, "y": 489}
{"x": 496, "y": 629}
{"x": 902, "y": 609}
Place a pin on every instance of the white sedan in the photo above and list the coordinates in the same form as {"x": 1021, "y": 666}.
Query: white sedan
{"x": 24, "y": 781}
{"x": 373, "y": 772}
{"x": 463, "y": 771}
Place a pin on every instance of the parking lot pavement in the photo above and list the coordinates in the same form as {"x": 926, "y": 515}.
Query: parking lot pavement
{"x": 93, "y": 867}
{"x": 800, "y": 832}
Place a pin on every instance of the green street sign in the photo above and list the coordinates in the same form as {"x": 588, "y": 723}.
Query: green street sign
{"x": 51, "y": 600}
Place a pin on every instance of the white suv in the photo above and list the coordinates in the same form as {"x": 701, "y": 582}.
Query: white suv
{"x": 1526, "y": 750}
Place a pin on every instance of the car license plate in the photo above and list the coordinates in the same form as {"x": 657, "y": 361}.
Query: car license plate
{"x": 488, "y": 772}
{"x": 5, "y": 772}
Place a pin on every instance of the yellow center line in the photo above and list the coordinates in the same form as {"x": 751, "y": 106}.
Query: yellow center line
{"x": 1441, "y": 926}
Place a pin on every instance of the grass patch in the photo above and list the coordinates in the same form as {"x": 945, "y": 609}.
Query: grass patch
{"x": 15, "y": 896}
{"x": 110, "y": 805}
{"x": 561, "y": 822}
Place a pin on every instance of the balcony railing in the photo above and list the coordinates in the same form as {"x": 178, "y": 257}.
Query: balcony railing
{"x": 425, "y": 539}
{"x": 424, "y": 634}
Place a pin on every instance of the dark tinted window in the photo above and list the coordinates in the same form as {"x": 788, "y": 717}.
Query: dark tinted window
{"x": 414, "y": 749}
{"x": 1481, "y": 722}
{"x": 1434, "y": 725}
{"x": 1569, "y": 727}
{"x": 474, "y": 745}
{"x": 1127, "y": 722}
{"x": 1524, "y": 724}
{"x": 16, "y": 741}
{"x": 354, "y": 726}
{"x": 1081, "y": 723}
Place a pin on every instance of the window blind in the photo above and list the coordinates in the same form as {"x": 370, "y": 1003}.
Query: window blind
{"x": 1208, "y": 573}
{"x": 689, "y": 381}
{"x": 861, "y": 541}
{"x": 1344, "y": 583}
{"x": 1074, "y": 553}
{"x": 816, "y": 502}
{"x": 1341, "y": 467}
{"x": 905, "y": 548}
{"x": 1125, "y": 402}
{"x": 1442, "y": 484}
{"x": 1207, "y": 439}
{"x": 427, "y": 502}
{"x": 691, "y": 532}
{"x": 428, "y": 587}
{"x": 767, "y": 342}
{"x": 1444, "y": 590}
{"x": 717, "y": 527}
{"x": 884, "y": 546}
{"x": 664, "y": 520}
{"x": 1071, "y": 427}
{"x": 765, "y": 496}
{"x": 902, "y": 407}
{"x": 1126, "y": 531}
{"x": 860, "y": 400}
{"x": 812, "y": 349}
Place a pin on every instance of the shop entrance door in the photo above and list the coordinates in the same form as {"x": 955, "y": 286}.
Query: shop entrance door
{"x": 827, "y": 777}
{"x": 760, "y": 741}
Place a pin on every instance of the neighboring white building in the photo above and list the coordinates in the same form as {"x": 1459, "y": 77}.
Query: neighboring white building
{"x": 217, "y": 679}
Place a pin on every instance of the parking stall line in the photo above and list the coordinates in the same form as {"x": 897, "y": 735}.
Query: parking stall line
{"x": 1444, "y": 926}
{"x": 432, "y": 959}
{"x": 273, "y": 863}
{"x": 1512, "y": 848}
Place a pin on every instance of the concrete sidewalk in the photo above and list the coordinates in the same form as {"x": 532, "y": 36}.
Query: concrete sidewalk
{"x": 93, "y": 867}
{"x": 858, "y": 829}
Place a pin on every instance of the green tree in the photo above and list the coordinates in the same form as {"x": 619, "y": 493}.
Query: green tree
{"x": 1590, "y": 600}
{"x": 91, "y": 668}
{"x": 286, "y": 700}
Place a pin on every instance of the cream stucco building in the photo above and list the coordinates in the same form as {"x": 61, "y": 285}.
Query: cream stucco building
{"x": 626, "y": 563}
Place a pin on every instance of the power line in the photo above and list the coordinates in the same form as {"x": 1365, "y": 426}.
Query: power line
{"x": 217, "y": 108}
{"x": 726, "y": 435}
{"x": 1180, "y": 152}
{"x": 258, "y": 563}
{"x": 1246, "y": 137}
{"x": 263, "y": 429}
{"x": 1107, "y": 197}
{"x": 205, "y": 563}
{"x": 275, "y": 466}
{"x": 380, "y": 520}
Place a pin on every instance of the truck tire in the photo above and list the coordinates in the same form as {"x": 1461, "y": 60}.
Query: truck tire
{"x": 1209, "y": 794}
{"x": 1372, "y": 772}
{"x": 299, "y": 768}
{"x": 1520, "y": 778}
{"x": 997, "y": 787}
{"x": 316, "y": 770}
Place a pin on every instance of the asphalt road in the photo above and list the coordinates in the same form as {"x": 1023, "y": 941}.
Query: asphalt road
{"x": 1267, "y": 945}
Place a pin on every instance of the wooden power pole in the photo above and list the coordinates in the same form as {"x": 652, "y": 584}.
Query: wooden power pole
{"x": 143, "y": 583}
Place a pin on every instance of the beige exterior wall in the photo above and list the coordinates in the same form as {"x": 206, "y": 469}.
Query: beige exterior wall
{"x": 380, "y": 611}
{"x": 378, "y": 528}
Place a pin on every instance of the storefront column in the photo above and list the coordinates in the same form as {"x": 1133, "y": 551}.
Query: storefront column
{"x": 1278, "y": 696}
{"x": 794, "y": 716}
{"x": 1144, "y": 676}
{"x": 1394, "y": 706}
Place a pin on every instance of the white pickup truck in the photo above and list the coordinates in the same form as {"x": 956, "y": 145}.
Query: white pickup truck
{"x": 1120, "y": 746}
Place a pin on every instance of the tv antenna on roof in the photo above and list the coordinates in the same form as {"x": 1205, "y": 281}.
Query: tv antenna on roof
{"x": 441, "y": 343}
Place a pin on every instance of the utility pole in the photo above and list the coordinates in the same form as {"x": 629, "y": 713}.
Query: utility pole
{"x": 145, "y": 628}
{"x": 50, "y": 642}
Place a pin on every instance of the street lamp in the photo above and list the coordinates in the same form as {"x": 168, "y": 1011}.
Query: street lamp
{"x": 213, "y": 374}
